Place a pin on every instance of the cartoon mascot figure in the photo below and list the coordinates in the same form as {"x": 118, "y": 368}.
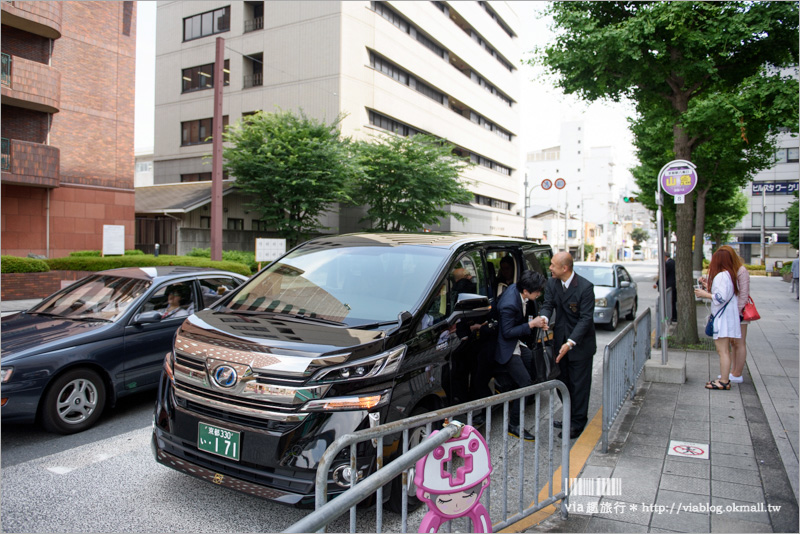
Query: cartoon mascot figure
{"x": 451, "y": 495}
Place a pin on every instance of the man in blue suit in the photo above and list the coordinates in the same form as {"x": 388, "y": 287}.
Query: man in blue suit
{"x": 510, "y": 354}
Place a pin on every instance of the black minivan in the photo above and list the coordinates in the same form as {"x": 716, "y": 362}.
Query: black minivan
{"x": 339, "y": 334}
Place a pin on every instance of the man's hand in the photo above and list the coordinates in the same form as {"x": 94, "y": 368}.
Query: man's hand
{"x": 563, "y": 352}
{"x": 538, "y": 322}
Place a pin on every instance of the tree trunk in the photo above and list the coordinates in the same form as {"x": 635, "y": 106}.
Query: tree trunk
{"x": 686, "y": 331}
{"x": 699, "y": 230}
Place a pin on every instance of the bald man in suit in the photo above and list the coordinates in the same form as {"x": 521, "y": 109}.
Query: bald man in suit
{"x": 571, "y": 297}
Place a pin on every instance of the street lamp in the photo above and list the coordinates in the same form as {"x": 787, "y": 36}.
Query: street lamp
{"x": 545, "y": 184}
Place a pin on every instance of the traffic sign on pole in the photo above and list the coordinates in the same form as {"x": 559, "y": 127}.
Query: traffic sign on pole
{"x": 547, "y": 184}
{"x": 560, "y": 183}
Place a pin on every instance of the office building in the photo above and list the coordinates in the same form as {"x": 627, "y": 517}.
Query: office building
{"x": 67, "y": 124}
{"x": 449, "y": 69}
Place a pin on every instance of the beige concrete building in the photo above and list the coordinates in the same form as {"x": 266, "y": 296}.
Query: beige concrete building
{"x": 449, "y": 69}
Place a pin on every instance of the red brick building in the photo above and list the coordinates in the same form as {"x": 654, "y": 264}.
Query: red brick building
{"x": 67, "y": 124}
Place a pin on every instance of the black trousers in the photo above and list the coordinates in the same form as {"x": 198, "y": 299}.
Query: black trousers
{"x": 577, "y": 376}
{"x": 515, "y": 374}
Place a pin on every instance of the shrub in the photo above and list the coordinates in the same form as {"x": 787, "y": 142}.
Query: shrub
{"x": 90, "y": 263}
{"x": 13, "y": 264}
{"x": 97, "y": 253}
{"x": 239, "y": 256}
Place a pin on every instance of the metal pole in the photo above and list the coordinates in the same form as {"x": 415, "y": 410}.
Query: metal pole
{"x": 525, "y": 209}
{"x": 662, "y": 282}
{"x": 763, "y": 216}
{"x": 216, "y": 155}
{"x": 566, "y": 221}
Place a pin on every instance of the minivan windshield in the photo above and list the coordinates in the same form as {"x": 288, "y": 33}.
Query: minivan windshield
{"x": 351, "y": 285}
{"x": 599, "y": 276}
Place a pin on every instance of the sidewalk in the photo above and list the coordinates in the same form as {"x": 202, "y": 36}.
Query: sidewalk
{"x": 7, "y": 307}
{"x": 739, "y": 469}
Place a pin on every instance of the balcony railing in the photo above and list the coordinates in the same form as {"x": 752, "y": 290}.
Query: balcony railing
{"x": 254, "y": 80}
{"x": 254, "y": 24}
{"x": 6, "y": 152}
{"x": 6, "y": 69}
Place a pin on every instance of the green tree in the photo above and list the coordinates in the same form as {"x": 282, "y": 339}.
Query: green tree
{"x": 638, "y": 235}
{"x": 792, "y": 217}
{"x": 407, "y": 181}
{"x": 295, "y": 167}
{"x": 724, "y": 211}
{"x": 664, "y": 56}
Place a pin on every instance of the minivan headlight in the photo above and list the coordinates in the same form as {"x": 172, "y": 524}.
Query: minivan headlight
{"x": 384, "y": 363}
{"x": 6, "y": 374}
{"x": 601, "y": 303}
{"x": 367, "y": 401}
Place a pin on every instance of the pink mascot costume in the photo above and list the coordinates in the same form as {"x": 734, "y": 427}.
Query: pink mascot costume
{"x": 449, "y": 496}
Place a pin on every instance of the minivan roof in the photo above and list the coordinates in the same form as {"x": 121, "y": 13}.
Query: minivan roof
{"x": 430, "y": 239}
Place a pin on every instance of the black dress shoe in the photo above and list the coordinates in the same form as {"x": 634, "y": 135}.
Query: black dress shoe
{"x": 557, "y": 423}
{"x": 573, "y": 433}
{"x": 513, "y": 431}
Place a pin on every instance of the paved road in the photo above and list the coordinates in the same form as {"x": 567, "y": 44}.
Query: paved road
{"x": 106, "y": 480}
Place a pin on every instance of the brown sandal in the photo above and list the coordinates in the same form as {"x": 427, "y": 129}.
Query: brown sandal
{"x": 718, "y": 384}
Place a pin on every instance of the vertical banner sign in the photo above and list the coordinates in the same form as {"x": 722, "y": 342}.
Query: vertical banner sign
{"x": 113, "y": 240}
{"x": 678, "y": 178}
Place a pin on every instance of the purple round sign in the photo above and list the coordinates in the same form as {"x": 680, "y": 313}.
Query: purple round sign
{"x": 678, "y": 178}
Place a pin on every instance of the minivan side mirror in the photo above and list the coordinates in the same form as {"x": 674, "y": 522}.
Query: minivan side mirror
{"x": 147, "y": 317}
{"x": 470, "y": 305}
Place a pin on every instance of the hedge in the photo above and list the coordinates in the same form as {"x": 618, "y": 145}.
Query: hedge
{"x": 91, "y": 263}
{"x": 13, "y": 264}
{"x": 97, "y": 253}
{"x": 239, "y": 256}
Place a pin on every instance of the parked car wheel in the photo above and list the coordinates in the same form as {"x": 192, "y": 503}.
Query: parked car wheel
{"x": 612, "y": 324}
{"x": 74, "y": 402}
{"x": 632, "y": 314}
{"x": 395, "y": 502}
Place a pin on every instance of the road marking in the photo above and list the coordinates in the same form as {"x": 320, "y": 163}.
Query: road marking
{"x": 578, "y": 455}
{"x": 63, "y": 463}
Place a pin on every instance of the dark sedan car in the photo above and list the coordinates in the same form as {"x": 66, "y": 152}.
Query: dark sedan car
{"x": 97, "y": 340}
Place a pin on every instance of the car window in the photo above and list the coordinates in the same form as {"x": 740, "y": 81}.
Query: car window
{"x": 173, "y": 300}
{"x": 104, "y": 297}
{"x": 502, "y": 270}
{"x": 466, "y": 275}
{"x": 599, "y": 276}
{"x": 537, "y": 259}
{"x": 623, "y": 275}
{"x": 213, "y": 289}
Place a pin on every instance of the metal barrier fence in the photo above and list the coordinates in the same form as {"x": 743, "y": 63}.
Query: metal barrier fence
{"x": 623, "y": 361}
{"x": 326, "y": 512}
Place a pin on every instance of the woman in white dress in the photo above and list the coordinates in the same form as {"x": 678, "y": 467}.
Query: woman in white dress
{"x": 725, "y": 309}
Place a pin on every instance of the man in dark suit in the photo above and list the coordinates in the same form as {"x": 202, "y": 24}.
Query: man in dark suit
{"x": 571, "y": 297}
{"x": 669, "y": 276}
{"x": 510, "y": 355}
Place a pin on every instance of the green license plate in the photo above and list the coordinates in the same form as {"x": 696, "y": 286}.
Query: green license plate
{"x": 219, "y": 441}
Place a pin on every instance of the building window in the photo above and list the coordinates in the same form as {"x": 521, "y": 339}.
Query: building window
{"x": 484, "y": 162}
{"x": 202, "y": 77}
{"x": 205, "y": 222}
{"x": 500, "y": 22}
{"x": 207, "y": 23}
{"x": 201, "y": 177}
{"x": 258, "y": 226}
{"x": 477, "y": 78}
{"x": 572, "y": 233}
{"x": 792, "y": 155}
{"x": 199, "y": 131}
{"x": 144, "y": 166}
{"x": 235, "y": 224}
{"x": 493, "y": 202}
{"x": 385, "y": 123}
{"x": 396, "y": 73}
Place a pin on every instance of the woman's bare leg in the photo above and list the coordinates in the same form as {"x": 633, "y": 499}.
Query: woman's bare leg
{"x": 739, "y": 353}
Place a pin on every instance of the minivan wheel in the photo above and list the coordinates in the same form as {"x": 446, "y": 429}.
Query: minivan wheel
{"x": 73, "y": 402}
{"x": 395, "y": 502}
{"x": 612, "y": 324}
